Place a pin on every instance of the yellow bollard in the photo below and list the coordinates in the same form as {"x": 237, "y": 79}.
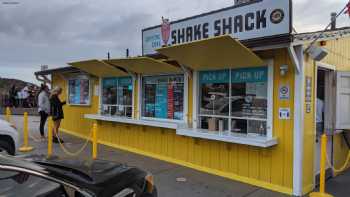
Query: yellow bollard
{"x": 25, "y": 147}
{"x": 8, "y": 114}
{"x": 49, "y": 137}
{"x": 94, "y": 141}
{"x": 322, "y": 192}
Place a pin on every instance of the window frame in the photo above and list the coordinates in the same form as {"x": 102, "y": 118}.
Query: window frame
{"x": 185, "y": 101}
{"x": 270, "y": 99}
{"x": 79, "y": 77}
{"x": 100, "y": 109}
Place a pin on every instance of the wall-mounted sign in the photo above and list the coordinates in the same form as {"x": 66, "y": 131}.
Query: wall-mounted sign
{"x": 96, "y": 90}
{"x": 220, "y": 76}
{"x": 308, "y": 94}
{"x": 79, "y": 91}
{"x": 284, "y": 92}
{"x": 249, "y": 75}
{"x": 161, "y": 105}
{"x": 261, "y": 18}
{"x": 284, "y": 113}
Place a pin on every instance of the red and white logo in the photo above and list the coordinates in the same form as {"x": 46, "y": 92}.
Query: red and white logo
{"x": 348, "y": 9}
{"x": 165, "y": 30}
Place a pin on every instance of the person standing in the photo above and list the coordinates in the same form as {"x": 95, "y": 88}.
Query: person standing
{"x": 13, "y": 94}
{"x": 43, "y": 108}
{"x": 56, "y": 111}
{"x": 319, "y": 116}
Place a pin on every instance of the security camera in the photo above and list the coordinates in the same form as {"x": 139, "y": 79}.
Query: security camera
{"x": 284, "y": 69}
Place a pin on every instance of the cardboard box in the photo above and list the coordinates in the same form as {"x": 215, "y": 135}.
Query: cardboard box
{"x": 212, "y": 126}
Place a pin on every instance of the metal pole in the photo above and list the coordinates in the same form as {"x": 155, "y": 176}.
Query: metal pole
{"x": 25, "y": 147}
{"x": 8, "y": 114}
{"x": 322, "y": 192}
{"x": 49, "y": 138}
{"x": 323, "y": 163}
{"x": 94, "y": 141}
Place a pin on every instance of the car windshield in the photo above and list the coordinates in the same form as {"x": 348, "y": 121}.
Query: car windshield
{"x": 7, "y": 174}
{"x": 13, "y": 183}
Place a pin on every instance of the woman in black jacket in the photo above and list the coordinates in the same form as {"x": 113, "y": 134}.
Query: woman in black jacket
{"x": 56, "y": 110}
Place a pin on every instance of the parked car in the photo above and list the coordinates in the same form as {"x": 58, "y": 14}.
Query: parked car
{"x": 38, "y": 176}
{"x": 8, "y": 137}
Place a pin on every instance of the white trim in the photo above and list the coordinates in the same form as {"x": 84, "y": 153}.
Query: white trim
{"x": 133, "y": 97}
{"x": 195, "y": 102}
{"x": 314, "y": 124}
{"x": 230, "y": 102}
{"x": 294, "y": 58}
{"x": 299, "y": 90}
{"x": 270, "y": 84}
{"x": 232, "y": 117}
{"x": 185, "y": 99}
{"x": 237, "y": 139}
{"x": 326, "y": 66}
{"x": 100, "y": 96}
{"x": 160, "y": 124}
{"x": 269, "y": 47}
{"x": 139, "y": 99}
{"x": 163, "y": 120}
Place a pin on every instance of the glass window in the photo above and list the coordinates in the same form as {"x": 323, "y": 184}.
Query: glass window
{"x": 79, "y": 91}
{"x": 244, "y": 111}
{"x": 163, "y": 97}
{"x": 15, "y": 183}
{"x": 117, "y": 96}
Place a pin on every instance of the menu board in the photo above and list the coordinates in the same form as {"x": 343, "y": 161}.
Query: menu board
{"x": 161, "y": 106}
{"x": 178, "y": 101}
{"x": 170, "y": 101}
{"x": 79, "y": 92}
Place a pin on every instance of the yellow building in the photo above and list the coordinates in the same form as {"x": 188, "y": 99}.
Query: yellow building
{"x": 231, "y": 92}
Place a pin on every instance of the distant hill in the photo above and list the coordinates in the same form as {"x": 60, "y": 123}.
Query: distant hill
{"x": 6, "y": 84}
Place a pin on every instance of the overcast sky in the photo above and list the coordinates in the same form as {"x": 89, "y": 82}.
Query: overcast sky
{"x": 53, "y": 32}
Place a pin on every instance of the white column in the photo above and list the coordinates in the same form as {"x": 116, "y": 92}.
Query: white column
{"x": 299, "y": 96}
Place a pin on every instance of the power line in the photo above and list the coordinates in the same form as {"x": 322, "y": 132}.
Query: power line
{"x": 321, "y": 34}
{"x": 338, "y": 54}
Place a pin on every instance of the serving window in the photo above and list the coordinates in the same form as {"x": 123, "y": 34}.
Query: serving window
{"x": 163, "y": 97}
{"x": 235, "y": 101}
{"x": 79, "y": 91}
{"x": 117, "y": 94}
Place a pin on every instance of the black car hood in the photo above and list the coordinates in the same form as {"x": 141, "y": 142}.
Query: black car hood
{"x": 102, "y": 178}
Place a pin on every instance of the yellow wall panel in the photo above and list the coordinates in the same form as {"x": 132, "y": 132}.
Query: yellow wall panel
{"x": 265, "y": 163}
{"x": 233, "y": 164}
{"x": 309, "y": 133}
{"x": 338, "y": 53}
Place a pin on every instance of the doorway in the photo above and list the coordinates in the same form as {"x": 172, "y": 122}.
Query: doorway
{"x": 324, "y": 100}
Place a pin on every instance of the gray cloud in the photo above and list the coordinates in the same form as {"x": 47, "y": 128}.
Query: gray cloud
{"x": 54, "y": 32}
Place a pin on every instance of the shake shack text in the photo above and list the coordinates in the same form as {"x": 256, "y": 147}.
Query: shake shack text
{"x": 235, "y": 24}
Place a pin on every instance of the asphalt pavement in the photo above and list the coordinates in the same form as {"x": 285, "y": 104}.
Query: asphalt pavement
{"x": 172, "y": 180}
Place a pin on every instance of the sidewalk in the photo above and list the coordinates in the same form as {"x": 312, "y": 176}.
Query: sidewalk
{"x": 197, "y": 184}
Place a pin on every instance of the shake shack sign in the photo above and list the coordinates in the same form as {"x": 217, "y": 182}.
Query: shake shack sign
{"x": 259, "y": 19}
